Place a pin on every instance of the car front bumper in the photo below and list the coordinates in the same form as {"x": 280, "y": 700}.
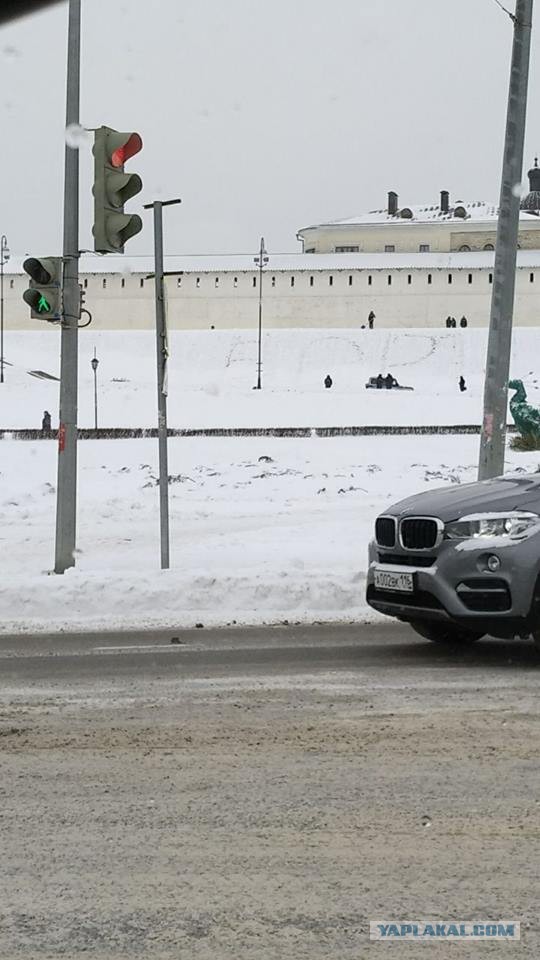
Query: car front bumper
{"x": 459, "y": 587}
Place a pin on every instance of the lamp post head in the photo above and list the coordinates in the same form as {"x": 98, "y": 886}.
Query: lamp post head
{"x": 94, "y": 362}
{"x": 262, "y": 259}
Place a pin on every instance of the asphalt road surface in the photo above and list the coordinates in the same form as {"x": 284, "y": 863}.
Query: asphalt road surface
{"x": 264, "y": 793}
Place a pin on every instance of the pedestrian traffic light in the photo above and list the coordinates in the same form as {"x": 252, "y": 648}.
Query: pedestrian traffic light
{"x": 44, "y": 296}
{"x": 112, "y": 187}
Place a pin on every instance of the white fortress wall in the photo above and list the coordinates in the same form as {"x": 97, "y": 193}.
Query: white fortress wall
{"x": 401, "y": 293}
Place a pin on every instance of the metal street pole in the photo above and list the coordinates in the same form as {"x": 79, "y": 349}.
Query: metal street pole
{"x": 162, "y": 353}
{"x": 4, "y": 257}
{"x": 66, "y": 502}
{"x": 261, "y": 260}
{"x": 493, "y": 438}
{"x": 94, "y": 364}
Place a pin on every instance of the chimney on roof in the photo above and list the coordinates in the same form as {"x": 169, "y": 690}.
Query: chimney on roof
{"x": 445, "y": 201}
{"x": 392, "y": 204}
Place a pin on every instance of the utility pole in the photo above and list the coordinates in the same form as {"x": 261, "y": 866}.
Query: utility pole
{"x": 162, "y": 353}
{"x": 4, "y": 257}
{"x": 66, "y": 502}
{"x": 493, "y": 438}
{"x": 261, "y": 260}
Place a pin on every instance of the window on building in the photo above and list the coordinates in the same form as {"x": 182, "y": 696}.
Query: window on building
{"x": 141, "y": 282}
{"x": 310, "y": 250}
{"x": 389, "y": 279}
{"x": 254, "y": 281}
{"x": 424, "y": 248}
{"x": 370, "y": 280}
{"x": 429, "y": 278}
{"x": 311, "y": 281}
{"x": 390, "y": 248}
{"x": 11, "y": 284}
{"x": 104, "y": 283}
{"x": 465, "y": 248}
{"x": 491, "y": 278}
{"x": 345, "y": 249}
{"x": 409, "y": 279}
{"x": 123, "y": 282}
{"x": 350, "y": 280}
{"x": 531, "y": 278}
{"x": 330, "y": 281}
{"x": 489, "y": 246}
{"x": 470, "y": 278}
{"x": 235, "y": 282}
{"x": 216, "y": 283}
{"x": 273, "y": 281}
{"x": 198, "y": 282}
{"x": 449, "y": 278}
{"x": 292, "y": 281}
{"x": 85, "y": 282}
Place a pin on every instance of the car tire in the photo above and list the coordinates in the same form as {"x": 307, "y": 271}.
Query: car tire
{"x": 446, "y": 633}
{"x": 534, "y": 615}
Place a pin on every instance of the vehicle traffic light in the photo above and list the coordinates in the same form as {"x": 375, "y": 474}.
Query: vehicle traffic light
{"x": 44, "y": 296}
{"x": 112, "y": 188}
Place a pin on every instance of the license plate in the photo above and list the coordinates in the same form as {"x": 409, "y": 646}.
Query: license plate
{"x": 394, "y": 580}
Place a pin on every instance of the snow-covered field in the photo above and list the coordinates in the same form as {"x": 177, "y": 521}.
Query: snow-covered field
{"x": 261, "y": 530}
{"x": 212, "y": 374}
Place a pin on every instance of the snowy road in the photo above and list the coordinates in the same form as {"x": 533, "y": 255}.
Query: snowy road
{"x": 263, "y": 793}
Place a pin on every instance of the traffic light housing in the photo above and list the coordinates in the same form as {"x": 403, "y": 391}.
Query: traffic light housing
{"x": 44, "y": 296}
{"x": 112, "y": 188}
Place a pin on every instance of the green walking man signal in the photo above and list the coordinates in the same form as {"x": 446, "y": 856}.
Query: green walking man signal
{"x": 43, "y": 305}
{"x": 44, "y": 295}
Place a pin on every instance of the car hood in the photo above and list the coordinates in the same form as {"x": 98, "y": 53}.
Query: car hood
{"x": 514, "y": 492}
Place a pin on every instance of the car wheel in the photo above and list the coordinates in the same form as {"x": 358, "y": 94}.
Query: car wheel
{"x": 447, "y": 633}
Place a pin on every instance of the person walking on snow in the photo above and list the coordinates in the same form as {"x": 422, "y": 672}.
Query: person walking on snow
{"x": 328, "y": 381}
{"x": 371, "y": 319}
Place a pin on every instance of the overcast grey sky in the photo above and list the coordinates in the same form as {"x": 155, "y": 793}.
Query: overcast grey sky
{"x": 263, "y": 117}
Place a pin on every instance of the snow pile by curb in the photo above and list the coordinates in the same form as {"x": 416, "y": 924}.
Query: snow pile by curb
{"x": 88, "y": 601}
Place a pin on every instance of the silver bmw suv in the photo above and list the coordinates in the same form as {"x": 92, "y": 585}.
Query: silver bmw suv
{"x": 459, "y": 562}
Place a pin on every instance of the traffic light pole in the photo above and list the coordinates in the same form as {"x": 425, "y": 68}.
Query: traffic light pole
{"x": 66, "y": 502}
{"x": 161, "y": 356}
{"x": 493, "y": 439}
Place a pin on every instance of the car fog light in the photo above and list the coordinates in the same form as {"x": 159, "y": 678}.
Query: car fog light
{"x": 493, "y": 563}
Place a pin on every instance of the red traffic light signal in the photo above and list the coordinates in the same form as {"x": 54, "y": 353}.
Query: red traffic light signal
{"x": 112, "y": 188}
{"x": 127, "y": 150}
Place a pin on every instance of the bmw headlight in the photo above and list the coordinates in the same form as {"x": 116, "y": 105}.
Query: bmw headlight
{"x": 511, "y": 525}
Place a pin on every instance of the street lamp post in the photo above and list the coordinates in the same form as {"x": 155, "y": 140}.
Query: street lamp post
{"x": 94, "y": 364}
{"x": 4, "y": 257}
{"x": 162, "y": 355}
{"x": 261, "y": 260}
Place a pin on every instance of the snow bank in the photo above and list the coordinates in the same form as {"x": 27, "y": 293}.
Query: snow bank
{"x": 262, "y": 530}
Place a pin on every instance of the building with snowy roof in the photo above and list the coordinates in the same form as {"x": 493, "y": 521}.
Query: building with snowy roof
{"x": 443, "y": 227}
